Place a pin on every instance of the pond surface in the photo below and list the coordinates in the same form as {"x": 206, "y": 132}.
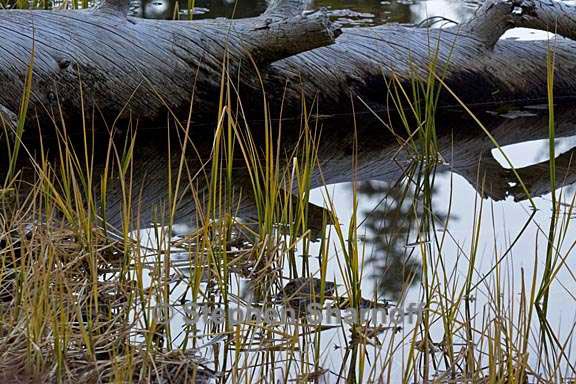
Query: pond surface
{"x": 460, "y": 227}
{"x": 479, "y": 234}
{"x": 352, "y": 12}
{"x": 486, "y": 231}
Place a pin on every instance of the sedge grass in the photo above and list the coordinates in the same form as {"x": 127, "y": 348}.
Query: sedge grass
{"x": 83, "y": 301}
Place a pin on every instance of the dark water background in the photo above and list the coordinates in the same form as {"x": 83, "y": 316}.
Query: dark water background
{"x": 349, "y": 12}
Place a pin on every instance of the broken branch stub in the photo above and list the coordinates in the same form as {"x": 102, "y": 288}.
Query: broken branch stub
{"x": 546, "y": 15}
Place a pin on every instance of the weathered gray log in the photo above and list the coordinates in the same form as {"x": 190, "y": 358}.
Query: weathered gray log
{"x": 142, "y": 68}
{"x": 137, "y": 66}
{"x": 364, "y": 61}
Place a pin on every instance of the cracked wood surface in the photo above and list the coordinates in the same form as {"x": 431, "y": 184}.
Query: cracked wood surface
{"x": 136, "y": 68}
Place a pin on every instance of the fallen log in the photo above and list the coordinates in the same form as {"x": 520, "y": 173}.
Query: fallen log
{"x": 101, "y": 62}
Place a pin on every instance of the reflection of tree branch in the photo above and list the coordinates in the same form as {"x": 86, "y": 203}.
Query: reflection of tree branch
{"x": 491, "y": 179}
{"x": 487, "y": 177}
{"x": 468, "y": 153}
{"x": 537, "y": 177}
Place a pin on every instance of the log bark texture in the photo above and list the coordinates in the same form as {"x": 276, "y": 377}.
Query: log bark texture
{"x": 105, "y": 63}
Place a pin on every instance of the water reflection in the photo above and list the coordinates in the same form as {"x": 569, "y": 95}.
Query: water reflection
{"x": 389, "y": 226}
{"x": 346, "y": 12}
{"x": 352, "y": 12}
{"x": 384, "y": 170}
{"x": 381, "y": 170}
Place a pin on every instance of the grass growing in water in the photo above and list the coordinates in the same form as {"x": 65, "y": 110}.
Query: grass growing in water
{"x": 83, "y": 301}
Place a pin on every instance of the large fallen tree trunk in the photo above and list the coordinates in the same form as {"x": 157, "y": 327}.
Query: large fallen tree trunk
{"x": 139, "y": 68}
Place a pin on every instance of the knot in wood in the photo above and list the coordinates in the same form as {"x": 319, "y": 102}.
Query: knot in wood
{"x": 63, "y": 63}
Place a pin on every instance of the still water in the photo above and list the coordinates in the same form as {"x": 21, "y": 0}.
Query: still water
{"x": 353, "y": 12}
{"x": 487, "y": 231}
{"x": 449, "y": 237}
{"x": 486, "y": 227}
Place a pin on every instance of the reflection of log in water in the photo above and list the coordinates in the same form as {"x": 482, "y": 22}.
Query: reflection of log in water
{"x": 390, "y": 224}
{"x": 468, "y": 153}
{"x": 537, "y": 176}
{"x": 465, "y": 149}
{"x": 374, "y": 157}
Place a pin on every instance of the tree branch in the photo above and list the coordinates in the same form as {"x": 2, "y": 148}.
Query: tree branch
{"x": 546, "y": 15}
{"x": 113, "y": 7}
{"x": 277, "y": 39}
{"x": 285, "y": 31}
{"x": 285, "y": 8}
{"x": 495, "y": 17}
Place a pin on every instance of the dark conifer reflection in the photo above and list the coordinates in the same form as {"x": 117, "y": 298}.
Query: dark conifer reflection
{"x": 390, "y": 228}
